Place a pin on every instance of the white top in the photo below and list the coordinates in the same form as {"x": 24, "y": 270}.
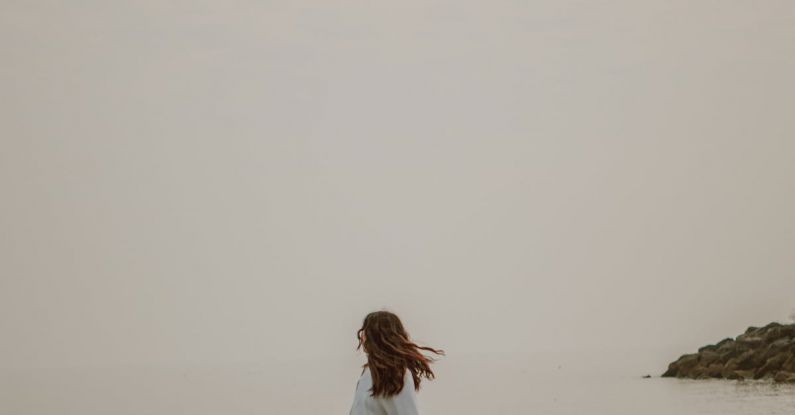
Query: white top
{"x": 404, "y": 403}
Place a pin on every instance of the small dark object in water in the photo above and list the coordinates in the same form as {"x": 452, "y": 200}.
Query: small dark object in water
{"x": 646, "y": 376}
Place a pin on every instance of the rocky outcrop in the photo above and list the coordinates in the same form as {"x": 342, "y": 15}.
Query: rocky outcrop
{"x": 760, "y": 353}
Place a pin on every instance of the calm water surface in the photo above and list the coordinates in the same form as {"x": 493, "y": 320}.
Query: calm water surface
{"x": 482, "y": 388}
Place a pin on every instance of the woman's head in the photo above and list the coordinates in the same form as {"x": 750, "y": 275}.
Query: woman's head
{"x": 390, "y": 352}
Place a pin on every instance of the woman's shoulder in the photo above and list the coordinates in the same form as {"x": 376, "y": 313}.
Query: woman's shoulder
{"x": 408, "y": 379}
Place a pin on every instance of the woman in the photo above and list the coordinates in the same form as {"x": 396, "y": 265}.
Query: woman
{"x": 394, "y": 369}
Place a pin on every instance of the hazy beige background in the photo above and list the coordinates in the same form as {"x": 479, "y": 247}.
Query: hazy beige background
{"x": 232, "y": 183}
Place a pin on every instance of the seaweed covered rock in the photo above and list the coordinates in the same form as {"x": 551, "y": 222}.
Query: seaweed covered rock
{"x": 760, "y": 353}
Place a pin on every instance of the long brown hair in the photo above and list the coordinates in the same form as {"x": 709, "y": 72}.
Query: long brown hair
{"x": 390, "y": 352}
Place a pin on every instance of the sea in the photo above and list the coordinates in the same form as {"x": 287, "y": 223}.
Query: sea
{"x": 475, "y": 385}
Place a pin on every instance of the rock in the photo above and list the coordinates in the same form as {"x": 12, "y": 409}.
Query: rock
{"x": 743, "y": 374}
{"x": 787, "y": 331}
{"x": 683, "y": 366}
{"x": 698, "y": 372}
{"x": 766, "y": 352}
{"x": 708, "y": 347}
{"x": 715, "y": 370}
{"x": 781, "y": 343}
{"x": 752, "y": 341}
{"x": 729, "y": 368}
{"x": 747, "y": 360}
{"x": 731, "y": 375}
{"x": 789, "y": 365}
{"x": 771, "y": 325}
{"x": 707, "y": 357}
{"x": 775, "y": 348}
{"x": 787, "y": 377}
{"x": 735, "y": 350}
{"x": 772, "y": 364}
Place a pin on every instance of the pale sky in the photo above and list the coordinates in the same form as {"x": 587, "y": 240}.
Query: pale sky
{"x": 213, "y": 182}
